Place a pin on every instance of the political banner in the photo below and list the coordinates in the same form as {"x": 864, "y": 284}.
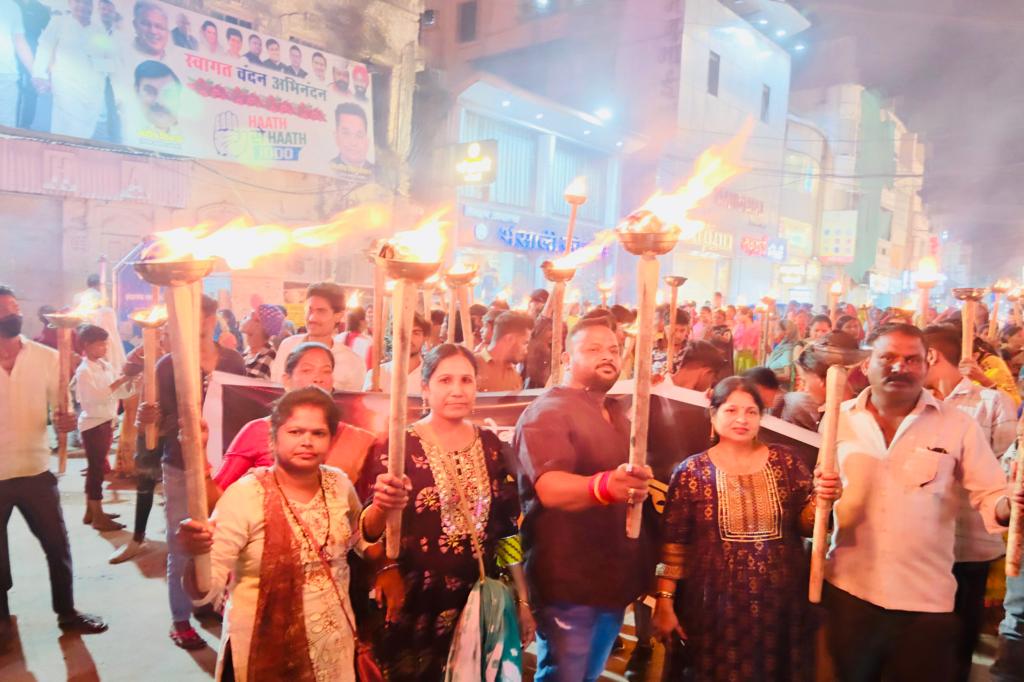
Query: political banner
{"x": 151, "y": 75}
{"x": 679, "y": 425}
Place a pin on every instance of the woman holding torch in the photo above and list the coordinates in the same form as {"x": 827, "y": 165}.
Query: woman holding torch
{"x": 279, "y": 539}
{"x": 734, "y": 521}
{"x": 447, "y": 457}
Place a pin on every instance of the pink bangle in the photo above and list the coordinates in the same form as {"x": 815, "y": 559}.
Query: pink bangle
{"x": 603, "y": 489}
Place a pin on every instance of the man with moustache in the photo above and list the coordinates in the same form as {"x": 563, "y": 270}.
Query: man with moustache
{"x": 151, "y": 32}
{"x": 575, "y": 483}
{"x": 28, "y": 394}
{"x": 903, "y": 456}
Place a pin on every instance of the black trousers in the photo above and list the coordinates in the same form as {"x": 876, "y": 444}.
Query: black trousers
{"x": 38, "y": 500}
{"x": 871, "y": 644}
{"x": 971, "y": 580}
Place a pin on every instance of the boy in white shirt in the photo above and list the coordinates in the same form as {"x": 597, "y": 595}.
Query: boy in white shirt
{"x": 96, "y": 389}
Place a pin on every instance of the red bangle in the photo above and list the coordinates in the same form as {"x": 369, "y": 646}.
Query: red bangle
{"x": 603, "y": 489}
{"x": 595, "y": 492}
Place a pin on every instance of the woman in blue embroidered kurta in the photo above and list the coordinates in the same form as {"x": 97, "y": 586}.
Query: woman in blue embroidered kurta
{"x": 733, "y": 524}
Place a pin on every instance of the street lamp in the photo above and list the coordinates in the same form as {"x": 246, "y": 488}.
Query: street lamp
{"x": 999, "y": 288}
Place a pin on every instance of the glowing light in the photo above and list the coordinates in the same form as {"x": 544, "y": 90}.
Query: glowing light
{"x": 463, "y": 268}
{"x": 577, "y": 190}
{"x": 506, "y": 103}
{"x": 1002, "y": 285}
{"x": 670, "y": 212}
{"x": 927, "y": 272}
{"x": 155, "y": 315}
{"x": 605, "y": 114}
{"x": 353, "y": 300}
{"x": 799, "y": 47}
{"x": 239, "y": 243}
{"x": 836, "y": 288}
{"x": 606, "y": 287}
{"x": 425, "y": 243}
{"x": 781, "y": 33}
{"x": 659, "y": 297}
{"x": 585, "y": 254}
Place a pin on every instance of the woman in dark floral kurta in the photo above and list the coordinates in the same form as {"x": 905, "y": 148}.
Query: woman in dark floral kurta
{"x": 735, "y": 539}
{"x": 437, "y": 563}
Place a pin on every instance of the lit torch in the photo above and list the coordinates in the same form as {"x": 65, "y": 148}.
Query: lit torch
{"x": 178, "y": 261}
{"x": 65, "y": 323}
{"x": 575, "y": 196}
{"x": 766, "y": 308}
{"x": 649, "y": 232}
{"x": 970, "y": 298}
{"x": 674, "y": 282}
{"x": 1014, "y": 297}
{"x": 559, "y": 277}
{"x": 998, "y": 289}
{"x": 150, "y": 319}
{"x": 605, "y": 288}
{"x": 409, "y": 258}
{"x": 459, "y": 278}
{"x": 1015, "y": 539}
{"x": 834, "y": 292}
{"x": 926, "y": 277}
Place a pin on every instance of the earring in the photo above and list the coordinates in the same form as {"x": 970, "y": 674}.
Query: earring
{"x": 712, "y": 436}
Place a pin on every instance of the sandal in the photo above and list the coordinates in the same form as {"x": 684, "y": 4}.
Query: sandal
{"x": 187, "y": 639}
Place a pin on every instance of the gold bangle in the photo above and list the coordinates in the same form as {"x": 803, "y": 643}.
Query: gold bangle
{"x": 662, "y": 594}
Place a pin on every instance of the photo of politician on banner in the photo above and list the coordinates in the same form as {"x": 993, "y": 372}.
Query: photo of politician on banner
{"x": 154, "y": 76}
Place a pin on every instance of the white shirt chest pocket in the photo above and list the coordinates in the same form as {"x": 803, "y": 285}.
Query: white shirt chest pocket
{"x": 927, "y": 470}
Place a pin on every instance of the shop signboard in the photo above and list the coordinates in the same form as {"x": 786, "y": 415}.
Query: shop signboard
{"x": 475, "y": 163}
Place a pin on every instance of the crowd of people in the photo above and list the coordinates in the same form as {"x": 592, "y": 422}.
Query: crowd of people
{"x": 299, "y": 567}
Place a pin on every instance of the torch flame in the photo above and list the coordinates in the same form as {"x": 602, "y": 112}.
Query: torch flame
{"x": 85, "y": 308}
{"x": 153, "y": 315}
{"x": 836, "y": 288}
{"x": 504, "y": 294}
{"x": 927, "y": 271}
{"x": 425, "y": 243}
{"x": 669, "y": 212}
{"x": 353, "y": 300}
{"x": 525, "y": 303}
{"x": 240, "y": 243}
{"x": 577, "y": 190}
{"x": 659, "y": 297}
{"x": 1002, "y": 285}
{"x": 463, "y": 268}
{"x": 585, "y": 254}
{"x": 606, "y": 287}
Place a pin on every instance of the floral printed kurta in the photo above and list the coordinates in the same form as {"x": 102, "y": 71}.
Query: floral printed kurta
{"x": 744, "y": 594}
{"x": 436, "y": 560}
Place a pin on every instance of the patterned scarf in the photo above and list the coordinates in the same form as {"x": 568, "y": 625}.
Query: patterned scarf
{"x": 279, "y": 648}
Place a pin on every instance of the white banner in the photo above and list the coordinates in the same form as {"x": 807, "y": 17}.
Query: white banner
{"x": 154, "y": 76}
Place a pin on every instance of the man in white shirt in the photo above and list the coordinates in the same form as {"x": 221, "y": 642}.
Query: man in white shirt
{"x": 13, "y": 47}
{"x": 902, "y": 456}
{"x": 355, "y": 336}
{"x": 414, "y": 380}
{"x": 975, "y": 548}
{"x": 73, "y": 59}
{"x": 325, "y": 304}
{"x": 28, "y": 394}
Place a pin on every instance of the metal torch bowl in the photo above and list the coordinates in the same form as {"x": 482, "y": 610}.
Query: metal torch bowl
{"x": 553, "y": 273}
{"x": 64, "y": 320}
{"x": 968, "y": 294}
{"x": 173, "y": 273}
{"x": 413, "y": 271}
{"x": 461, "y": 278}
{"x": 648, "y": 243}
{"x": 674, "y": 280}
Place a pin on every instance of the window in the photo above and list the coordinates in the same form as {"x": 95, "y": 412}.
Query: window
{"x": 517, "y": 160}
{"x": 467, "y": 21}
{"x": 766, "y": 103}
{"x": 714, "y": 66}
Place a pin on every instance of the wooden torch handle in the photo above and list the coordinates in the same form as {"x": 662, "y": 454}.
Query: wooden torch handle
{"x": 149, "y": 350}
{"x": 835, "y": 386}
{"x": 647, "y": 290}
{"x": 403, "y": 305}
{"x": 1015, "y": 540}
{"x": 63, "y": 399}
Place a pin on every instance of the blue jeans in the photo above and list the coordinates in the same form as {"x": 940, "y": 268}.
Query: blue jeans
{"x": 574, "y": 642}
{"x": 1009, "y": 663}
{"x": 176, "y": 508}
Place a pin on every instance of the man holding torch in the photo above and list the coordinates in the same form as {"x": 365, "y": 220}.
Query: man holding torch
{"x": 28, "y": 394}
{"x": 212, "y": 357}
{"x": 575, "y": 484}
{"x": 902, "y": 456}
{"x": 975, "y": 548}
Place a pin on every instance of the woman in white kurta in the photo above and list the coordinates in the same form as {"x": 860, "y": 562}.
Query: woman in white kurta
{"x": 275, "y": 533}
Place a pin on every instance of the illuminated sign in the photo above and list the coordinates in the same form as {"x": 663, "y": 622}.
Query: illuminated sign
{"x": 476, "y": 163}
{"x": 710, "y": 240}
